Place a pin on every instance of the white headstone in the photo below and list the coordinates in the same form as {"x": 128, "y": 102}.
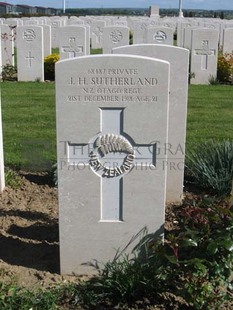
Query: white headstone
{"x": 180, "y": 32}
{"x": 187, "y": 37}
{"x": 97, "y": 34}
{"x": 114, "y": 36}
{"x": 12, "y": 21}
{"x": 55, "y": 25}
{"x": 7, "y": 45}
{"x": 30, "y": 53}
{"x": 178, "y": 97}
{"x": 120, "y": 22}
{"x": 88, "y": 39}
{"x": 159, "y": 35}
{"x": 72, "y": 42}
{"x": 31, "y": 22}
{"x": 227, "y": 40}
{"x": 139, "y": 32}
{"x": 47, "y": 40}
{"x": 74, "y": 21}
{"x": 111, "y": 112}
{"x": 223, "y": 25}
{"x": 204, "y": 55}
{"x": 2, "y": 173}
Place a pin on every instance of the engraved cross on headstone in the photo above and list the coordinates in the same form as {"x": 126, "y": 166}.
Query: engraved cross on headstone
{"x": 98, "y": 33}
{"x": 29, "y": 58}
{"x": 205, "y": 52}
{"x": 111, "y": 155}
{"x": 73, "y": 49}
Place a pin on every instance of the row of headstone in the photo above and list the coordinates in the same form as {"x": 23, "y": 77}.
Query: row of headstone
{"x": 101, "y": 34}
{"x": 120, "y": 21}
{"x": 34, "y": 43}
{"x": 133, "y": 23}
{"x": 121, "y": 125}
{"x": 74, "y": 41}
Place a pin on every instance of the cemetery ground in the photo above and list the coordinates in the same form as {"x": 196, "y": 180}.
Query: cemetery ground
{"x": 29, "y": 255}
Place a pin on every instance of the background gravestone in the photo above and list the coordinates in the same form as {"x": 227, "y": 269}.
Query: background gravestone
{"x": 139, "y": 32}
{"x": 72, "y": 41}
{"x": 7, "y": 45}
{"x": 111, "y": 132}
{"x": 159, "y": 35}
{"x": 74, "y": 21}
{"x": 30, "y": 53}
{"x": 204, "y": 55}
{"x": 55, "y": 25}
{"x": 227, "y": 40}
{"x": 2, "y": 173}
{"x": 47, "y": 40}
{"x": 114, "y": 36}
{"x": 88, "y": 39}
{"x": 97, "y": 33}
{"x": 180, "y": 32}
{"x": 178, "y": 99}
{"x": 187, "y": 37}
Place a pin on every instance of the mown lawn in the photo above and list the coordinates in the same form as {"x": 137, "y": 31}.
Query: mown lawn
{"x": 210, "y": 113}
{"x": 29, "y": 125}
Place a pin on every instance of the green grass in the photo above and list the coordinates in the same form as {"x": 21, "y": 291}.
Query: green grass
{"x": 28, "y": 110}
{"x": 96, "y": 51}
{"x": 93, "y": 51}
{"x": 210, "y": 113}
{"x": 55, "y": 50}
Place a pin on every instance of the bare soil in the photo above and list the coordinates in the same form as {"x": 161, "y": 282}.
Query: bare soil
{"x": 29, "y": 236}
{"x": 29, "y": 249}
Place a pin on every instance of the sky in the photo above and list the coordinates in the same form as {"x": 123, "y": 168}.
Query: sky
{"x": 187, "y": 4}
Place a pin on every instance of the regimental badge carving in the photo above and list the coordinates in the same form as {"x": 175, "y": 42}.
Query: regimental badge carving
{"x": 160, "y": 36}
{"x": 29, "y": 35}
{"x": 116, "y": 144}
{"x": 116, "y": 36}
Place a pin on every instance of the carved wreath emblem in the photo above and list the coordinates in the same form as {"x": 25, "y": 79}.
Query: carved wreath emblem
{"x": 116, "y": 36}
{"x": 29, "y": 35}
{"x": 160, "y": 36}
{"x": 111, "y": 143}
